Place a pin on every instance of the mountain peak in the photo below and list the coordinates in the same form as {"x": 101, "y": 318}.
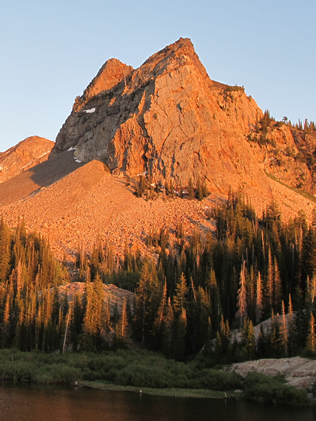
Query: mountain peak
{"x": 23, "y": 156}
{"x": 181, "y": 52}
{"x": 168, "y": 118}
{"x": 111, "y": 73}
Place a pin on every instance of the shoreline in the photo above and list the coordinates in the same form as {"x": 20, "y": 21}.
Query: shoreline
{"x": 171, "y": 392}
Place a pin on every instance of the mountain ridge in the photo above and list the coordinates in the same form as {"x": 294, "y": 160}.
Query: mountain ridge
{"x": 169, "y": 119}
{"x": 26, "y": 154}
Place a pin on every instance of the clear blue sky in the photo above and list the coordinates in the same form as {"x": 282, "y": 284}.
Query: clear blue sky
{"x": 50, "y": 51}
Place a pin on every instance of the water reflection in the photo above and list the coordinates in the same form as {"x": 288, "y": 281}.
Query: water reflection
{"x": 25, "y": 403}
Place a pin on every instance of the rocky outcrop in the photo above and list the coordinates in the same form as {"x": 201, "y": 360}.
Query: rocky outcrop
{"x": 23, "y": 156}
{"x": 298, "y": 372}
{"x": 168, "y": 118}
{"x": 110, "y": 74}
{"x": 113, "y": 295}
{"x": 286, "y": 154}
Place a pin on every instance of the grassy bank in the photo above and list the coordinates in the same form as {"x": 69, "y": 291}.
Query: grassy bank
{"x": 172, "y": 392}
{"x": 143, "y": 370}
{"x": 124, "y": 368}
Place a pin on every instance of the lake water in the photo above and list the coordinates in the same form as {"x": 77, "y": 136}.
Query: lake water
{"x": 30, "y": 403}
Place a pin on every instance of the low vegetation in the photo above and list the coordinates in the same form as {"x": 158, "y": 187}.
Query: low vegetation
{"x": 151, "y": 372}
{"x": 261, "y": 388}
{"x": 262, "y": 130}
{"x": 144, "y": 186}
{"x": 296, "y": 190}
{"x": 127, "y": 368}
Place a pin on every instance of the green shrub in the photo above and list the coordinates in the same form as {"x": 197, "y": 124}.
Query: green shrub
{"x": 57, "y": 373}
{"x": 314, "y": 388}
{"x": 143, "y": 376}
{"x": 261, "y": 388}
{"x": 218, "y": 380}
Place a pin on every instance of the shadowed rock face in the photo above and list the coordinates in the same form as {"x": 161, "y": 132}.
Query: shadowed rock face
{"x": 169, "y": 118}
{"x": 23, "y": 156}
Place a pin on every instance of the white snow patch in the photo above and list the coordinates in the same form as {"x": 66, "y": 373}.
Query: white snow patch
{"x": 71, "y": 149}
{"x": 77, "y": 160}
{"x": 92, "y": 110}
{"x": 43, "y": 155}
{"x": 27, "y": 164}
{"x": 142, "y": 173}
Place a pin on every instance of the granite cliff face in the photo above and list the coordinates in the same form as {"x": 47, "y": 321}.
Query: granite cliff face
{"x": 170, "y": 119}
{"x": 23, "y": 156}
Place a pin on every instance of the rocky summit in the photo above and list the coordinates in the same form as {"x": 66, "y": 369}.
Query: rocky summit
{"x": 169, "y": 119}
{"x": 25, "y": 155}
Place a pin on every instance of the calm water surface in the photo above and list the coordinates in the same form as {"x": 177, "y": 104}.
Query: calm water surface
{"x": 64, "y": 404}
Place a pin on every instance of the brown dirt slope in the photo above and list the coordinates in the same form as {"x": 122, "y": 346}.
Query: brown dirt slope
{"x": 40, "y": 176}
{"x": 89, "y": 203}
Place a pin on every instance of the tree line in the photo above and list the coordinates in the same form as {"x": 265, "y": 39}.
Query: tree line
{"x": 189, "y": 297}
{"x": 201, "y": 289}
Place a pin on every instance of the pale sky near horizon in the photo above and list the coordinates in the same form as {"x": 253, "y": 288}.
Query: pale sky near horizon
{"x": 50, "y": 51}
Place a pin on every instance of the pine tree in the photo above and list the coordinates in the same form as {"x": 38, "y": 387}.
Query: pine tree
{"x": 273, "y": 339}
{"x": 277, "y": 290}
{"x": 248, "y": 338}
{"x": 242, "y": 297}
{"x": 5, "y": 251}
{"x": 308, "y": 265}
{"x": 122, "y": 327}
{"x": 215, "y": 302}
{"x": 180, "y": 294}
{"x": 179, "y": 335}
{"x": 95, "y": 322}
{"x": 312, "y": 288}
{"x": 268, "y": 291}
{"x": 161, "y": 314}
{"x": 290, "y": 306}
{"x": 167, "y": 331}
{"x": 147, "y": 302}
{"x": 6, "y": 324}
{"x": 224, "y": 335}
{"x": 311, "y": 338}
{"x": 259, "y": 304}
{"x": 202, "y": 318}
{"x": 218, "y": 346}
{"x": 262, "y": 344}
{"x": 68, "y": 321}
{"x": 251, "y": 341}
{"x": 283, "y": 332}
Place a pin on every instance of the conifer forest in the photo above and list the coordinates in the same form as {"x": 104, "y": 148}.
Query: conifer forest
{"x": 202, "y": 294}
